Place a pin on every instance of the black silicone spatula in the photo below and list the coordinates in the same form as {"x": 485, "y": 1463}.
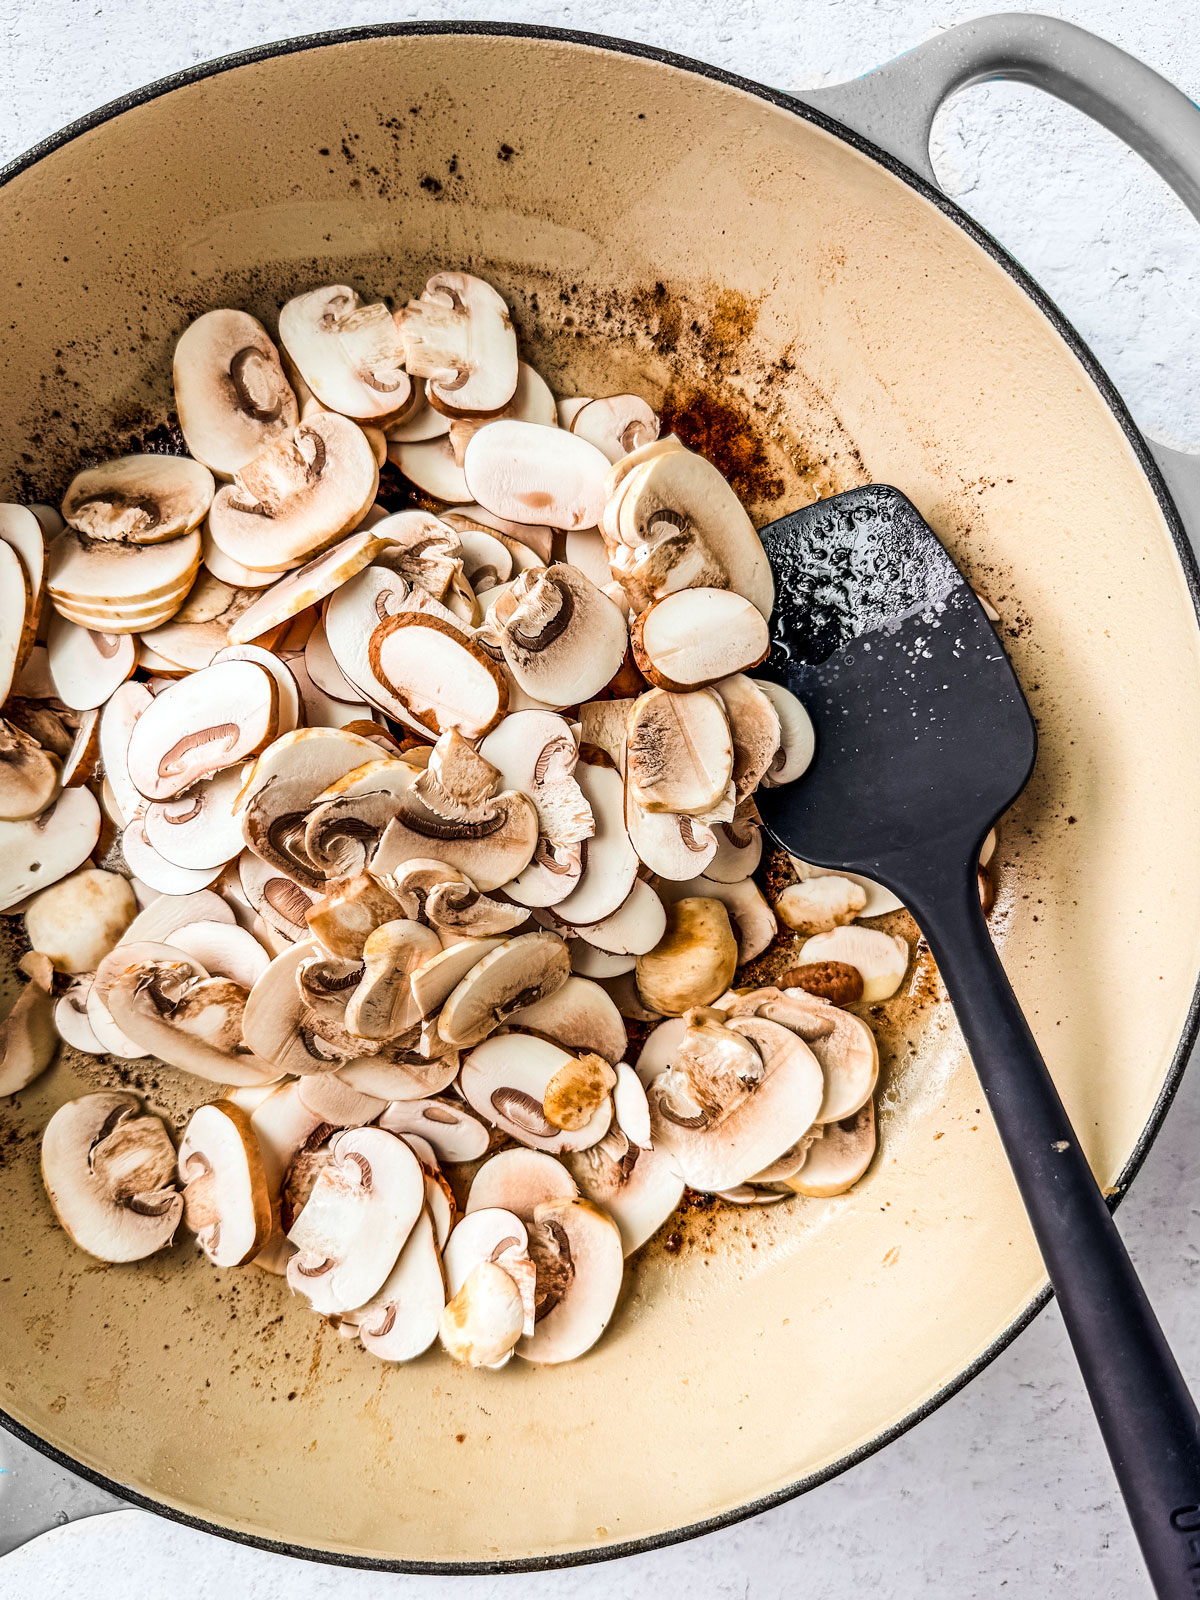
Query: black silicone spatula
{"x": 923, "y": 739}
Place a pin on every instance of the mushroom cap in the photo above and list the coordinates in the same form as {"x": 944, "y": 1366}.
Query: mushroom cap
{"x": 752, "y": 919}
{"x": 692, "y": 638}
{"x": 29, "y": 775}
{"x": 231, "y": 395}
{"x": 882, "y": 958}
{"x": 527, "y": 473}
{"x": 350, "y": 1232}
{"x": 481, "y": 1324}
{"x": 109, "y": 1171}
{"x": 402, "y": 1319}
{"x": 695, "y": 960}
{"x": 86, "y": 665}
{"x": 490, "y": 851}
{"x": 454, "y": 1134}
{"x": 679, "y": 752}
{"x": 562, "y": 640}
{"x": 637, "y": 1187}
{"x": 519, "y": 973}
{"x": 78, "y": 920}
{"x": 139, "y": 499}
{"x": 460, "y": 337}
{"x": 578, "y": 1015}
{"x": 226, "y": 1201}
{"x": 71, "y": 1020}
{"x": 505, "y": 1079}
{"x": 349, "y": 353}
{"x": 441, "y": 678}
{"x": 580, "y": 1264}
{"x": 616, "y": 425}
{"x": 798, "y": 740}
{"x": 212, "y": 719}
{"x": 37, "y": 851}
{"x": 520, "y": 1180}
{"x": 836, "y": 1161}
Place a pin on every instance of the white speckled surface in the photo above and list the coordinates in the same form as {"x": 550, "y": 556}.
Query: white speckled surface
{"x": 1005, "y": 1490}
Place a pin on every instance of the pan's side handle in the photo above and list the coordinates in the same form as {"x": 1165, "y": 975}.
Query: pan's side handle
{"x": 894, "y": 106}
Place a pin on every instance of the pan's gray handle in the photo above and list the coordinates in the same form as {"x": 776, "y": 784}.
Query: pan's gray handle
{"x": 894, "y": 106}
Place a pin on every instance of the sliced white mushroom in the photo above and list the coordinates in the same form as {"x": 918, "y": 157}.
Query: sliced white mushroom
{"x": 739, "y": 846}
{"x": 348, "y": 351}
{"x": 226, "y": 1201}
{"x": 430, "y": 464}
{"x": 694, "y": 961}
{"x": 568, "y": 408}
{"x": 578, "y": 1016}
{"x": 679, "y": 752}
{"x": 120, "y": 713}
{"x": 29, "y": 775}
{"x": 442, "y": 679}
{"x": 285, "y": 1129}
{"x": 536, "y": 753}
{"x": 523, "y": 472}
{"x": 635, "y": 927}
{"x": 439, "y": 977}
{"x": 636, "y": 1186}
{"x": 306, "y": 586}
{"x": 20, "y": 528}
{"x": 231, "y": 396}
{"x": 660, "y": 1049}
{"x": 519, "y": 973}
{"x": 669, "y": 844}
{"x": 609, "y": 861}
{"x": 28, "y": 1040}
{"x": 322, "y": 666}
{"x": 586, "y": 550}
{"x": 798, "y": 741}
{"x": 17, "y": 619}
{"x": 402, "y": 1319}
{"x": 519, "y": 1181}
{"x": 528, "y": 543}
{"x": 282, "y": 1027}
{"x": 352, "y": 614}
{"x": 481, "y": 1324}
{"x": 820, "y": 903}
{"x": 882, "y": 958}
{"x": 460, "y": 337}
{"x": 351, "y": 910}
{"x": 382, "y": 1005}
{"x": 139, "y": 499}
{"x": 486, "y": 560}
{"x": 199, "y": 828}
{"x": 562, "y": 639}
{"x": 228, "y": 571}
{"x": 224, "y": 950}
{"x": 495, "y": 1236}
{"x": 38, "y": 851}
{"x": 578, "y": 1254}
{"x": 842, "y": 1043}
{"x": 322, "y": 710}
{"x": 296, "y": 498}
{"x": 532, "y": 401}
{"x": 71, "y": 1018}
{"x": 144, "y": 861}
{"x": 454, "y": 1134}
{"x": 86, "y": 667}
{"x": 109, "y": 1170}
{"x": 837, "y": 1160}
{"x": 599, "y": 965}
{"x": 490, "y": 851}
{"x": 78, "y": 920}
{"x": 692, "y": 638}
{"x": 505, "y": 1079}
{"x": 755, "y": 729}
{"x": 418, "y": 425}
{"x": 348, "y": 819}
{"x": 201, "y": 724}
{"x": 403, "y": 1073}
{"x": 120, "y": 588}
{"x": 330, "y": 1097}
{"x": 752, "y": 918}
{"x": 617, "y": 425}
{"x": 155, "y": 923}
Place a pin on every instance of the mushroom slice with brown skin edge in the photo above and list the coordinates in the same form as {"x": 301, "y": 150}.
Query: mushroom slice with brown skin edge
{"x": 578, "y": 1016}
{"x": 29, "y": 775}
{"x": 224, "y": 950}
{"x": 692, "y": 638}
{"x": 752, "y": 918}
{"x": 441, "y": 678}
{"x": 536, "y": 753}
{"x": 403, "y": 1318}
{"x": 735, "y": 1099}
{"x": 481, "y": 1324}
{"x": 450, "y": 1128}
{"x": 226, "y": 1202}
{"x": 120, "y": 713}
{"x": 638, "y": 1188}
{"x": 839, "y": 1159}
{"x": 349, "y": 912}
{"x": 198, "y": 828}
{"x": 486, "y": 560}
{"x": 352, "y": 613}
{"x": 306, "y": 586}
{"x": 606, "y": 969}
{"x": 438, "y": 978}
{"x": 200, "y": 724}
{"x": 843, "y": 1044}
{"x": 22, "y": 530}
{"x": 490, "y": 852}
{"x": 348, "y": 819}
{"x": 299, "y": 496}
{"x": 120, "y": 588}
{"x": 635, "y": 927}
{"x": 382, "y": 1005}
{"x": 231, "y": 396}
{"x": 739, "y": 846}
{"x": 278, "y": 1024}
{"x": 361, "y": 1210}
{"x": 527, "y": 473}
{"x": 86, "y": 667}
{"x": 519, "y": 973}
{"x": 291, "y": 709}
{"x": 78, "y": 920}
{"x": 336, "y": 1102}
{"x": 28, "y": 1039}
{"x": 457, "y": 781}
{"x": 820, "y": 903}
{"x": 82, "y": 762}
{"x": 491, "y": 1235}
{"x": 139, "y": 499}
{"x": 228, "y": 571}
{"x": 284, "y": 1127}
{"x": 755, "y": 729}
{"x": 144, "y": 861}
{"x": 505, "y": 1079}
{"x": 520, "y": 1180}
{"x": 879, "y": 900}
{"x": 679, "y": 752}
{"x": 324, "y": 983}
{"x": 323, "y": 668}
{"x": 532, "y": 401}
{"x": 430, "y": 465}
{"x": 609, "y": 862}
{"x": 458, "y": 910}
{"x": 882, "y": 958}
{"x": 798, "y": 741}
{"x": 38, "y": 851}
{"x": 109, "y": 1170}
{"x": 578, "y": 1254}
{"x": 322, "y": 710}
{"x": 533, "y": 538}
{"x": 563, "y": 640}
{"x": 460, "y": 337}
{"x": 616, "y": 425}
{"x": 200, "y": 628}
{"x": 695, "y": 960}
{"x": 348, "y": 351}
{"x": 680, "y": 526}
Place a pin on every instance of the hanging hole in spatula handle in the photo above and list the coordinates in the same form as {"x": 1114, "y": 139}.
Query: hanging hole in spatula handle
{"x": 894, "y": 106}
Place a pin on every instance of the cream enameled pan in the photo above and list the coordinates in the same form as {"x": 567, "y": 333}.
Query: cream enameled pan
{"x": 827, "y": 318}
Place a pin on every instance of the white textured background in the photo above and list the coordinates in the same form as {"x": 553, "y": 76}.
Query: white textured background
{"x": 1005, "y": 1491}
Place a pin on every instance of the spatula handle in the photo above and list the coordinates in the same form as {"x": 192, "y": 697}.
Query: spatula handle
{"x": 1147, "y": 1417}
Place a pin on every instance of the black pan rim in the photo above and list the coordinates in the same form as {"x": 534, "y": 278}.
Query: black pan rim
{"x": 1111, "y": 397}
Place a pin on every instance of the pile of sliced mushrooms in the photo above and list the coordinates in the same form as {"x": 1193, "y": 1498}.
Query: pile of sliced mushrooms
{"x": 388, "y": 821}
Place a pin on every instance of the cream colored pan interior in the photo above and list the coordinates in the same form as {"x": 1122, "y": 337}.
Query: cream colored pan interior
{"x": 656, "y": 230}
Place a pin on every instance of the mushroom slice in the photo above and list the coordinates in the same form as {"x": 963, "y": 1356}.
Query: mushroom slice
{"x": 226, "y": 1202}
{"x": 505, "y": 1079}
{"x": 590, "y": 963}
{"x": 362, "y": 1208}
{"x": 843, "y": 1044}
{"x": 18, "y": 620}
{"x": 879, "y": 901}
{"x": 837, "y": 1160}
{"x": 635, "y": 927}
{"x": 660, "y": 1049}
{"x": 579, "y": 1016}
{"x": 298, "y": 496}
{"x": 441, "y": 678}
{"x": 348, "y": 352}
{"x": 755, "y": 728}
{"x": 691, "y": 638}
{"x": 349, "y": 912}
{"x": 120, "y": 713}
{"x": 527, "y": 543}
{"x": 109, "y": 1170}
{"x": 337, "y": 1102}
{"x": 382, "y": 1005}
{"x": 37, "y": 851}
{"x": 739, "y": 845}
{"x": 71, "y": 1018}
{"x": 228, "y": 571}
{"x": 201, "y": 724}
{"x": 78, "y": 920}
{"x": 798, "y": 741}
{"x": 224, "y": 950}
{"x": 609, "y": 862}
{"x": 347, "y": 820}
{"x": 458, "y": 910}
{"x": 140, "y": 499}
{"x": 198, "y": 828}
{"x": 284, "y": 1126}
{"x": 490, "y": 851}
{"x": 452, "y": 1131}
{"x": 532, "y": 401}
{"x": 882, "y": 958}
{"x": 494, "y": 1236}
{"x": 672, "y": 846}
{"x": 679, "y": 752}
{"x": 637, "y": 1187}
{"x": 307, "y": 586}
{"x": 403, "y": 1318}
{"x": 116, "y": 587}
{"x": 37, "y": 720}
{"x": 617, "y": 425}
{"x": 281, "y": 903}
{"x": 352, "y": 614}
{"x": 439, "y": 977}
{"x": 281, "y": 1025}
{"x": 520, "y": 1180}
{"x": 679, "y": 525}
{"x": 29, "y": 775}
{"x": 481, "y": 1324}
{"x": 85, "y": 667}
{"x": 431, "y": 466}
{"x": 586, "y": 551}
{"x": 323, "y": 668}
{"x": 820, "y": 903}
{"x": 158, "y": 921}
{"x": 578, "y": 1254}
{"x": 419, "y": 424}
{"x": 562, "y": 639}
{"x": 526, "y": 473}
{"x": 457, "y": 781}
{"x": 82, "y": 762}
{"x": 519, "y": 973}
{"x": 460, "y": 337}
{"x": 28, "y": 1039}
{"x": 752, "y": 918}
{"x": 231, "y": 396}
{"x": 422, "y": 549}
{"x": 20, "y": 528}
{"x": 144, "y": 861}
{"x": 403, "y": 1073}
{"x": 486, "y": 560}
{"x": 536, "y": 753}
{"x": 734, "y": 1100}
{"x": 695, "y": 960}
